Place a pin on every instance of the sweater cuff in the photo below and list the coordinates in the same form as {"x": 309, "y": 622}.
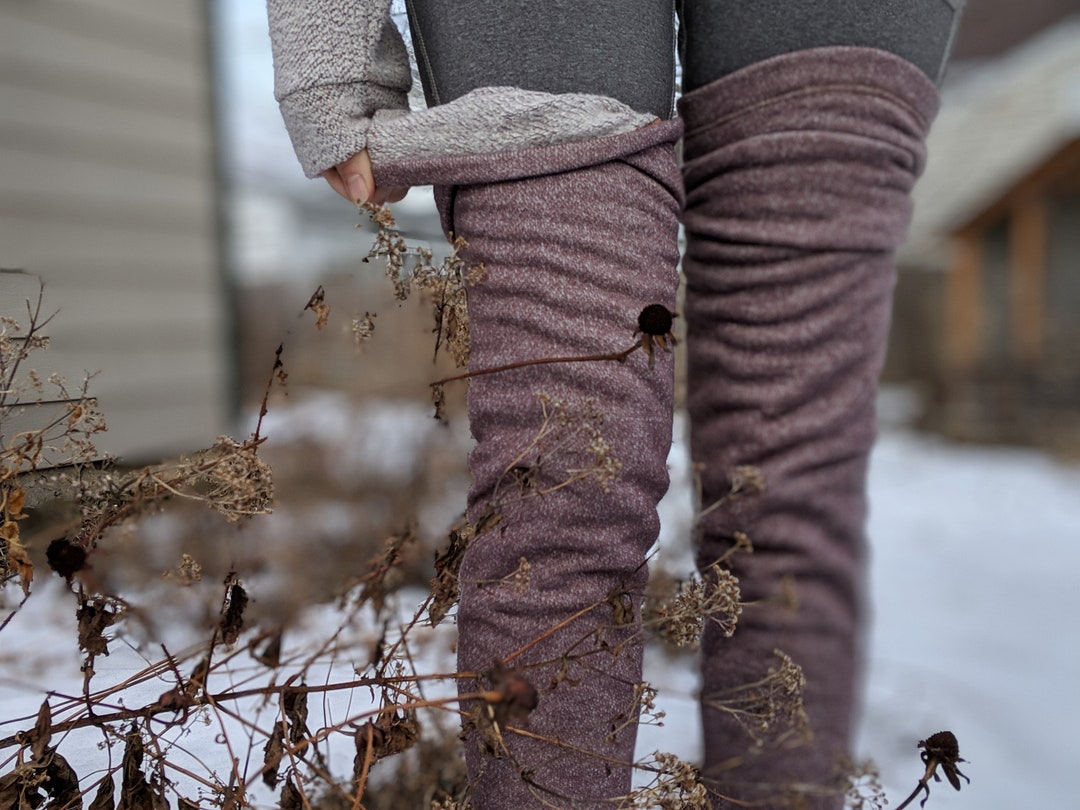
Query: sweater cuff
{"x": 330, "y": 123}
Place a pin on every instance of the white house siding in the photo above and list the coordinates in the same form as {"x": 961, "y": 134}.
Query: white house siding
{"x": 107, "y": 192}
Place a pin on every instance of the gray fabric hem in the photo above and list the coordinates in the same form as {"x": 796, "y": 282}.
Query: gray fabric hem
{"x": 497, "y": 119}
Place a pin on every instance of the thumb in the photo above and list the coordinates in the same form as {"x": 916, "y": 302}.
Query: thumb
{"x": 356, "y": 173}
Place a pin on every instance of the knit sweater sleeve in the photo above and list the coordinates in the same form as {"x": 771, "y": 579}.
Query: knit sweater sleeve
{"x": 336, "y": 62}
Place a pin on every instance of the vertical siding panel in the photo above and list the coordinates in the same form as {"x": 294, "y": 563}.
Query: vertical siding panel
{"x": 109, "y": 194}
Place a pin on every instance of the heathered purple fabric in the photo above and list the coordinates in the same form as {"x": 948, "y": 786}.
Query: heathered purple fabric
{"x": 797, "y": 173}
{"x": 574, "y": 249}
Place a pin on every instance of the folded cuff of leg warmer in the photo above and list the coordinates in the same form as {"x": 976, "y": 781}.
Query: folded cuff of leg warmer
{"x": 816, "y": 150}
{"x": 535, "y": 161}
{"x": 782, "y": 80}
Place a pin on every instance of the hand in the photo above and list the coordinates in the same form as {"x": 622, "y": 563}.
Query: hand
{"x": 353, "y": 180}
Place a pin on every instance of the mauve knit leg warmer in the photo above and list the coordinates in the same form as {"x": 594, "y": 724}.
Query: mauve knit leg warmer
{"x": 797, "y": 175}
{"x": 576, "y": 241}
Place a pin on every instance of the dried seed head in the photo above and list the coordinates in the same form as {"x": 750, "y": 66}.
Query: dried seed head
{"x": 655, "y": 320}
{"x": 940, "y": 750}
{"x": 771, "y": 708}
{"x": 746, "y": 479}
{"x": 66, "y": 558}
{"x": 511, "y": 698}
{"x": 679, "y": 618}
{"x": 942, "y": 744}
{"x": 677, "y": 784}
{"x": 862, "y": 785}
{"x": 362, "y": 328}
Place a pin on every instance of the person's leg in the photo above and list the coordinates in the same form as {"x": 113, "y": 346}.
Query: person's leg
{"x": 623, "y": 49}
{"x": 797, "y": 172}
{"x": 722, "y": 36}
{"x": 576, "y": 240}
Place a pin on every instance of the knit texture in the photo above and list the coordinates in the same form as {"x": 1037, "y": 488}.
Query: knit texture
{"x": 573, "y": 252}
{"x": 342, "y": 79}
{"x": 335, "y": 64}
{"x": 797, "y": 171}
{"x": 498, "y": 119}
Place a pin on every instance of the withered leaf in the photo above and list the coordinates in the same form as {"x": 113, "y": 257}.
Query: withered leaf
{"x": 135, "y": 792}
{"x": 294, "y": 703}
{"x": 317, "y": 304}
{"x": 622, "y": 606}
{"x": 186, "y": 804}
{"x": 445, "y": 588}
{"x": 270, "y": 654}
{"x": 438, "y": 399}
{"x": 94, "y": 618}
{"x": 22, "y": 788}
{"x": 16, "y": 500}
{"x": 291, "y": 799}
{"x": 15, "y": 555}
{"x": 232, "y": 612}
{"x": 481, "y": 722}
{"x": 18, "y": 789}
{"x": 103, "y": 798}
{"x": 197, "y": 681}
{"x": 42, "y": 732}
{"x": 176, "y": 699}
{"x": 273, "y": 751}
{"x": 391, "y": 733}
{"x": 379, "y": 648}
{"x": 133, "y": 752}
{"x": 375, "y": 586}
{"x": 61, "y": 782}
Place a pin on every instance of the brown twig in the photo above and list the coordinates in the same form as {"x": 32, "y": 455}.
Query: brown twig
{"x": 369, "y": 755}
{"x": 617, "y": 357}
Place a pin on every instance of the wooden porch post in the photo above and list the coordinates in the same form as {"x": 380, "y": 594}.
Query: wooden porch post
{"x": 1027, "y": 278}
{"x": 963, "y": 315}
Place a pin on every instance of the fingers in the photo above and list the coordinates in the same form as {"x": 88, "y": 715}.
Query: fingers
{"x": 332, "y": 177}
{"x": 353, "y": 179}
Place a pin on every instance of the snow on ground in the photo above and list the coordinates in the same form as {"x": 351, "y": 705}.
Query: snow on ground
{"x": 973, "y": 577}
{"x": 975, "y": 604}
{"x": 975, "y": 553}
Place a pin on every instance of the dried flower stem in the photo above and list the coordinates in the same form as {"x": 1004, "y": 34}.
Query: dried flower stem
{"x": 617, "y": 357}
{"x": 551, "y": 631}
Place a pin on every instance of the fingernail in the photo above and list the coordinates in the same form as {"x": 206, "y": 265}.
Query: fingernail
{"x": 358, "y": 189}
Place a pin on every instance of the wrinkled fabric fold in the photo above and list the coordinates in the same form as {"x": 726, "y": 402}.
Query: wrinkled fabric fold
{"x": 797, "y": 171}
{"x": 576, "y": 240}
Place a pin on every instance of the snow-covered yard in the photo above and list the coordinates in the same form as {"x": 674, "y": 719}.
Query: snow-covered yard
{"x": 975, "y": 552}
{"x": 975, "y": 604}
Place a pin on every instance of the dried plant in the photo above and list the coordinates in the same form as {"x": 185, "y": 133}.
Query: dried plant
{"x": 362, "y": 328}
{"x": 445, "y": 285}
{"x": 355, "y": 713}
{"x": 862, "y": 786}
{"x": 676, "y": 786}
{"x": 939, "y": 750}
{"x": 769, "y": 709}
{"x": 567, "y": 431}
{"x": 679, "y": 618}
{"x": 65, "y": 432}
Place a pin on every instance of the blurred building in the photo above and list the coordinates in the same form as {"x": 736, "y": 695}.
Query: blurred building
{"x": 109, "y": 195}
{"x": 990, "y": 277}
